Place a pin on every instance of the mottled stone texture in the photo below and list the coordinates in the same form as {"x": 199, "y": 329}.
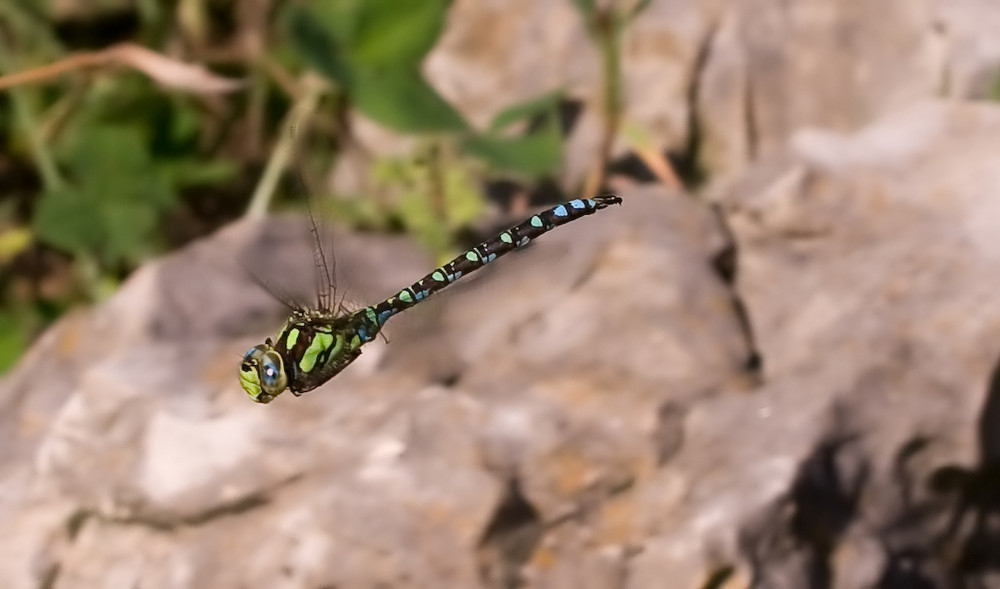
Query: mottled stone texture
{"x": 788, "y": 381}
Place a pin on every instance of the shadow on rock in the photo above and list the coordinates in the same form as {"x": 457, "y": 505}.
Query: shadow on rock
{"x": 794, "y": 543}
{"x": 845, "y": 524}
{"x": 970, "y": 542}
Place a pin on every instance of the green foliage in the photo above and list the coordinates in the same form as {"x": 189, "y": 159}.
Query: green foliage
{"x": 401, "y": 99}
{"x": 430, "y": 194}
{"x": 391, "y": 34}
{"x": 531, "y": 155}
{"x": 433, "y": 199}
{"x": 114, "y": 159}
{"x": 113, "y": 202}
{"x": 13, "y": 338}
{"x": 317, "y": 45}
{"x": 545, "y": 105}
{"x": 369, "y": 34}
{"x": 372, "y": 50}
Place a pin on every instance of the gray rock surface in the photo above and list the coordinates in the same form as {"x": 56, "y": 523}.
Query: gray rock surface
{"x": 480, "y": 446}
{"x": 868, "y": 265}
{"x": 591, "y": 412}
{"x": 580, "y": 414}
{"x": 722, "y": 81}
{"x": 584, "y": 413}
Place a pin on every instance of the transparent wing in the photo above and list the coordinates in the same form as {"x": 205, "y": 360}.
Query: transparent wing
{"x": 325, "y": 265}
{"x": 278, "y": 293}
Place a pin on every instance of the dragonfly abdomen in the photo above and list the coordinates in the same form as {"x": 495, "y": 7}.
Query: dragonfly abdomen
{"x": 487, "y": 251}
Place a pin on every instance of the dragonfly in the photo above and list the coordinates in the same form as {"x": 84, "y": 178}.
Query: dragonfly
{"x": 317, "y": 343}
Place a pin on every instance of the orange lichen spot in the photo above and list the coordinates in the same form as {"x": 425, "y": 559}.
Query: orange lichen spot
{"x": 616, "y": 521}
{"x": 572, "y": 471}
{"x": 543, "y": 558}
{"x": 70, "y": 334}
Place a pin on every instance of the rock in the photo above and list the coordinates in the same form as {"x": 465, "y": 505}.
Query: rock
{"x": 771, "y": 68}
{"x": 793, "y": 383}
{"x": 568, "y": 369}
{"x": 583, "y": 413}
{"x": 868, "y": 265}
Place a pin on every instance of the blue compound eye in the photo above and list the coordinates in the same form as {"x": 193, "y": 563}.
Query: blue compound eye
{"x": 254, "y": 352}
{"x": 270, "y": 371}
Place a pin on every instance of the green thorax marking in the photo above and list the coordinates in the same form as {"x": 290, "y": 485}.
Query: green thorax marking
{"x": 293, "y": 335}
{"x": 317, "y": 345}
{"x": 321, "y": 342}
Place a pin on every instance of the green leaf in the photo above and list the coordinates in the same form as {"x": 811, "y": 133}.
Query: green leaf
{"x": 112, "y": 208}
{"x": 316, "y": 43}
{"x": 402, "y": 100}
{"x": 393, "y": 33}
{"x": 67, "y": 220}
{"x": 189, "y": 172}
{"x": 348, "y": 34}
{"x": 543, "y": 105}
{"x": 339, "y": 18}
{"x": 373, "y": 49}
{"x": 533, "y": 155}
{"x": 13, "y": 338}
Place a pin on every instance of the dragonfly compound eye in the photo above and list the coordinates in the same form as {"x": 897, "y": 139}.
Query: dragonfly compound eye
{"x": 262, "y": 375}
{"x": 270, "y": 371}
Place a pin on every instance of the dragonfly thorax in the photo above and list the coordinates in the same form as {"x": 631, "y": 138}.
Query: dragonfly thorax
{"x": 310, "y": 349}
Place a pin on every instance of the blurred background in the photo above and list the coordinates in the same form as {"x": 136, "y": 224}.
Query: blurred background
{"x": 774, "y": 366}
{"x": 133, "y": 128}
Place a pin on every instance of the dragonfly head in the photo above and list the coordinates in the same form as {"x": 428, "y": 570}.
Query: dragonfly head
{"x": 262, "y": 373}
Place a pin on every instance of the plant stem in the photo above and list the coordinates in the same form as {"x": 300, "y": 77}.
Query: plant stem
{"x": 300, "y": 112}
{"x": 607, "y": 30}
{"x": 25, "y": 117}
